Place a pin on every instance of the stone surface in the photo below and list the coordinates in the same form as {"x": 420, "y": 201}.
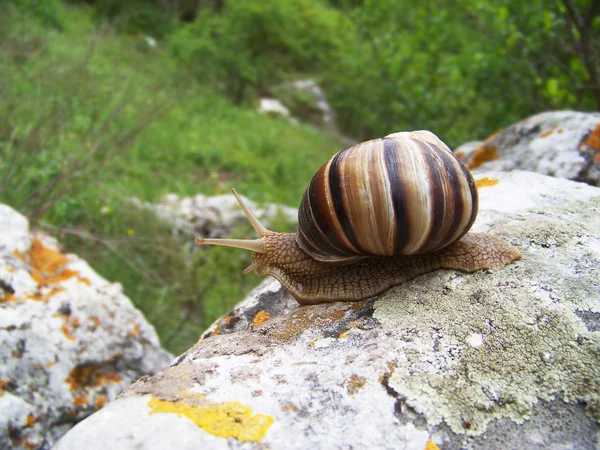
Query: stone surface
{"x": 564, "y": 144}
{"x": 499, "y": 360}
{"x": 69, "y": 340}
{"x": 214, "y": 217}
{"x": 272, "y": 106}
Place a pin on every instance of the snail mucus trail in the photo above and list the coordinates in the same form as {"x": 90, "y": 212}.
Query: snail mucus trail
{"x": 376, "y": 215}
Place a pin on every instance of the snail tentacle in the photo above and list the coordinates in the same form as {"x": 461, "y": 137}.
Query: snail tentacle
{"x": 255, "y": 245}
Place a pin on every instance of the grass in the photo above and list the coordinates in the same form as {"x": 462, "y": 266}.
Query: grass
{"x": 90, "y": 118}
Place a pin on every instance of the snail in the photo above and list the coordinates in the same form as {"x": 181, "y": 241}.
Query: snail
{"x": 376, "y": 215}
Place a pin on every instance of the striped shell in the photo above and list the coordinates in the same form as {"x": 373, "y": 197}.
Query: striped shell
{"x": 404, "y": 194}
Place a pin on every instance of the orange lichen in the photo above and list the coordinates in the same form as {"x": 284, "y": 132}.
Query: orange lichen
{"x": 86, "y": 376}
{"x": 80, "y": 400}
{"x": 592, "y": 142}
{"x": 460, "y": 155}
{"x": 38, "y": 366}
{"x": 289, "y": 407}
{"x": 8, "y": 297}
{"x": 227, "y": 319}
{"x": 84, "y": 280}
{"x": 484, "y": 153}
{"x": 19, "y": 255}
{"x": 30, "y": 445}
{"x": 135, "y": 331}
{"x": 101, "y": 400}
{"x": 30, "y": 420}
{"x": 486, "y": 182}
{"x": 3, "y": 384}
{"x": 48, "y": 264}
{"x": 261, "y": 317}
{"x": 430, "y": 445}
{"x": 547, "y": 133}
{"x": 50, "y": 364}
{"x": 217, "y": 330}
{"x": 355, "y": 384}
{"x": 65, "y": 329}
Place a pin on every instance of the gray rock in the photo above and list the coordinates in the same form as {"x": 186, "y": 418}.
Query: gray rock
{"x": 480, "y": 361}
{"x": 564, "y": 144}
{"x": 213, "y": 217}
{"x": 69, "y": 340}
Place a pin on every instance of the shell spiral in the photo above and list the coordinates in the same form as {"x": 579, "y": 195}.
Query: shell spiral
{"x": 400, "y": 195}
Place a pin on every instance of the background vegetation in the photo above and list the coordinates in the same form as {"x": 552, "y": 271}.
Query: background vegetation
{"x": 92, "y": 113}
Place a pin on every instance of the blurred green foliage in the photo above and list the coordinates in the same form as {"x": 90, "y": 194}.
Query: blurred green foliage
{"x": 103, "y": 100}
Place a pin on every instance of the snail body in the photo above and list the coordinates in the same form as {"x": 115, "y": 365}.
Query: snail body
{"x": 376, "y": 215}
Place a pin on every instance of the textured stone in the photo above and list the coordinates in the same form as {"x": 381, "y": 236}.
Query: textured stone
{"x": 564, "y": 144}
{"x": 499, "y": 360}
{"x": 69, "y": 340}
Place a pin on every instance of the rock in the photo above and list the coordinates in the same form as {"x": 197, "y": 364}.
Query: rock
{"x": 464, "y": 151}
{"x": 307, "y": 102}
{"x": 214, "y": 217}
{"x": 69, "y": 340}
{"x": 564, "y": 144}
{"x": 272, "y": 106}
{"x": 486, "y": 360}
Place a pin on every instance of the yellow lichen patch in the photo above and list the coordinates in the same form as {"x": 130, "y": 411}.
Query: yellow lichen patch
{"x": 86, "y": 376}
{"x": 430, "y": 445}
{"x": 261, "y": 317}
{"x": 227, "y": 420}
{"x": 483, "y": 154}
{"x": 547, "y": 133}
{"x": 50, "y": 364}
{"x": 19, "y": 255}
{"x": 343, "y": 335}
{"x": 48, "y": 264}
{"x": 486, "y": 182}
{"x": 355, "y": 384}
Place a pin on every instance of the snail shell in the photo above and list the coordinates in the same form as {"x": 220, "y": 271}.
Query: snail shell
{"x": 400, "y": 195}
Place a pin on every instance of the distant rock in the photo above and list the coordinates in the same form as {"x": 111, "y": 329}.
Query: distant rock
{"x": 70, "y": 341}
{"x": 213, "y": 217}
{"x": 271, "y": 106}
{"x": 563, "y": 144}
{"x": 307, "y": 102}
{"x": 500, "y": 360}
